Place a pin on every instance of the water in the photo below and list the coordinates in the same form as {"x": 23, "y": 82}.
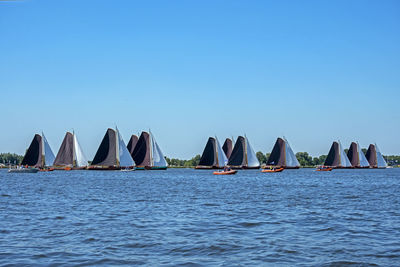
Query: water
{"x": 192, "y": 218}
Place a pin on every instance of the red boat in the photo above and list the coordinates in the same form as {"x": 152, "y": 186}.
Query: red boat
{"x": 230, "y": 172}
{"x": 273, "y": 170}
{"x": 324, "y": 169}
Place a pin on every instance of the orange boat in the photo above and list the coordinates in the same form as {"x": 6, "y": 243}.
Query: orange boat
{"x": 273, "y": 170}
{"x": 324, "y": 169}
{"x": 225, "y": 172}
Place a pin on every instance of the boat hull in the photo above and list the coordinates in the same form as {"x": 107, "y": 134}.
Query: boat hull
{"x": 155, "y": 168}
{"x": 208, "y": 168}
{"x": 231, "y": 172}
{"x": 24, "y": 170}
{"x": 273, "y": 170}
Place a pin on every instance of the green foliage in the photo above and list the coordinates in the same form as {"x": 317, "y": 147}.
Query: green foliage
{"x": 261, "y": 157}
{"x": 183, "y": 163}
{"x": 6, "y": 158}
{"x": 319, "y": 160}
{"x": 304, "y": 159}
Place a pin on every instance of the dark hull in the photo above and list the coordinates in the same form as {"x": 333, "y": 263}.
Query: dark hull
{"x": 208, "y": 168}
{"x": 285, "y": 167}
{"x": 154, "y": 168}
{"x": 104, "y": 168}
{"x": 244, "y": 168}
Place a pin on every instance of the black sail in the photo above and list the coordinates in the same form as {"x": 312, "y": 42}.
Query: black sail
{"x": 209, "y": 158}
{"x": 277, "y": 156}
{"x": 352, "y": 154}
{"x": 333, "y": 158}
{"x": 371, "y": 156}
{"x": 106, "y": 154}
{"x": 141, "y": 153}
{"x": 65, "y": 155}
{"x": 132, "y": 143}
{"x": 227, "y": 147}
{"x": 33, "y": 156}
{"x": 238, "y": 157}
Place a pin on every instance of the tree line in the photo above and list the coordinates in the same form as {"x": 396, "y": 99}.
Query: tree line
{"x": 304, "y": 159}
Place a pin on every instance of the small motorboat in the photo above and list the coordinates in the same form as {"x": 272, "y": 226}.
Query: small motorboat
{"x": 127, "y": 169}
{"x": 273, "y": 170}
{"x": 324, "y": 169}
{"x": 23, "y": 170}
{"x": 225, "y": 172}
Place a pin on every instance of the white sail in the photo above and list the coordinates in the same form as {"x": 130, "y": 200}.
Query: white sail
{"x": 79, "y": 157}
{"x": 125, "y": 158}
{"x": 47, "y": 152}
{"x": 379, "y": 158}
{"x": 363, "y": 160}
{"x": 158, "y": 157}
{"x": 291, "y": 160}
{"x": 344, "y": 160}
{"x": 222, "y": 159}
{"x": 252, "y": 160}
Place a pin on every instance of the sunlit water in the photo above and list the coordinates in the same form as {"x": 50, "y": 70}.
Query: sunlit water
{"x": 193, "y": 218}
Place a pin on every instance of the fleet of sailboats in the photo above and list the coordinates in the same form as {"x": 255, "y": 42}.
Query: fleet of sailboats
{"x": 144, "y": 153}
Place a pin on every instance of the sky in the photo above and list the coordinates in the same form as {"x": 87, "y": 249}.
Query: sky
{"x": 312, "y": 71}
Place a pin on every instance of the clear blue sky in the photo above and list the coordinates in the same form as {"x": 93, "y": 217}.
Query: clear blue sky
{"x": 314, "y": 71}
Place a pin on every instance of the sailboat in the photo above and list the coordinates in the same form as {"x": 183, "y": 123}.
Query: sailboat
{"x": 39, "y": 153}
{"x": 213, "y": 156}
{"x": 70, "y": 155}
{"x": 243, "y": 155}
{"x": 147, "y": 154}
{"x": 112, "y": 153}
{"x": 227, "y": 147}
{"x": 375, "y": 157}
{"x": 282, "y": 155}
{"x": 357, "y": 157}
{"x": 337, "y": 158}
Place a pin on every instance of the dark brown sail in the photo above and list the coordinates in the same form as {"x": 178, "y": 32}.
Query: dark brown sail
{"x": 141, "y": 152}
{"x": 65, "y": 155}
{"x": 371, "y": 156}
{"x": 238, "y": 156}
{"x": 132, "y": 143}
{"x": 106, "y": 155}
{"x": 352, "y": 154}
{"x": 227, "y": 147}
{"x": 277, "y": 157}
{"x": 333, "y": 158}
{"x": 208, "y": 159}
{"x": 33, "y": 156}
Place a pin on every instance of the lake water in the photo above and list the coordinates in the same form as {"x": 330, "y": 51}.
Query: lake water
{"x": 193, "y": 218}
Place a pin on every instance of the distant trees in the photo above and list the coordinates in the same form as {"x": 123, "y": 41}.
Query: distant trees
{"x": 13, "y": 158}
{"x": 262, "y": 158}
{"x": 183, "y": 163}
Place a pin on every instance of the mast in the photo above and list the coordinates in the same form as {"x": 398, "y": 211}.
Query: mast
{"x": 73, "y": 150}
{"x": 245, "y": 149}
{"x": 151, "y": 149}
{"x": 43, "y": 151}
{"x": 284, "y": 149}
{"x": 117, "y": 146}
{"x": 216, "y": 149}
{"x": 340, "y": 153}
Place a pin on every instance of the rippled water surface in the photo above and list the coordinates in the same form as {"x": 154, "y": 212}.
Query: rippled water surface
{"x": 189, "y": 217}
